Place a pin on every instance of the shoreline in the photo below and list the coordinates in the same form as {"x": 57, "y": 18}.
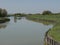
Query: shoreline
{"x": 3, "y": 20}
{"x": 56, "y": 24}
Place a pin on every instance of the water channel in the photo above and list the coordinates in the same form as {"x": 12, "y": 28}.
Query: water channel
{"x": 22, "y": 32}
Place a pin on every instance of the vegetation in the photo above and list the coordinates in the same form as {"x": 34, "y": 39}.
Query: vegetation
{"x": 46, "y": 12}
{"x": 3, "y": 20}
{"x": 3, "y": 12}
{"x": 45, "y": 17}
{"x": 20, "y": 14}
{"x": 55, "y": 32}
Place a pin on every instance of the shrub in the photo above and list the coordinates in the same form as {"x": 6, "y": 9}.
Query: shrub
{"x": 3, "y": 12}
{"x": 46, "y": 12}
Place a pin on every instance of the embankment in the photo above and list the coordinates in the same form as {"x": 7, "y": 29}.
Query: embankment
{"x": 52, "y": 36}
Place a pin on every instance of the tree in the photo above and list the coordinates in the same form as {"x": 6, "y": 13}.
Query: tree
{"x": 17, "y": 14}
{"x": 3, "y": 12}
{"x": 0, "y": 11}
{"x": 46, "y": 12}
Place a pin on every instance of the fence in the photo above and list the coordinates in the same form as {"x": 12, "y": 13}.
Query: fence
{"x": 50, "y": 41}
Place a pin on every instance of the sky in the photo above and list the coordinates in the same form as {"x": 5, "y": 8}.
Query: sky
{"x": 30, "y": 6}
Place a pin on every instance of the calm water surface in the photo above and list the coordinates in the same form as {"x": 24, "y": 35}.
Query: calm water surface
{"x": 22, "y": 32}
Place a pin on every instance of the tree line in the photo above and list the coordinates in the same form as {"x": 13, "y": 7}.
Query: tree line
{"x": 3, "y": 13}
{"x": 46, "y": 12}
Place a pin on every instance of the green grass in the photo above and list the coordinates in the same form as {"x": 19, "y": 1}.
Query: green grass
{"x": 55, "y": 31}
{"x": 46, "y": 17}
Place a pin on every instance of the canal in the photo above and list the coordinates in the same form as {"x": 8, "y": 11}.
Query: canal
{"x": 22, "y": 32}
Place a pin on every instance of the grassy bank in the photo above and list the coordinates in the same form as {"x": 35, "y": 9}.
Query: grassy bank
{"x": 55, "y": 31}
{"x": 4, "y": 19}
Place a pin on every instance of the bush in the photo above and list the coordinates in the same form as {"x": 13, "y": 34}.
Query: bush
{"x": 46, "y": 12}
{"x": 3, "y": 12}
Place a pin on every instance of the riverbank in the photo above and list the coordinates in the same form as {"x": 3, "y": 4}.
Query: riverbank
{"x": 55, "y": 31}
{"x": 4, "y": 19}
{"x": 44, "y": 21}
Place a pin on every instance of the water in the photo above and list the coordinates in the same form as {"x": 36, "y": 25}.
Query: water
{"x": 22, "y": 32}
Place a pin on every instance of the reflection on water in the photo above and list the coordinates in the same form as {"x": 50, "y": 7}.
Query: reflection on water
{"x": 3, "y": 25}
{"x": 16, "y": 18}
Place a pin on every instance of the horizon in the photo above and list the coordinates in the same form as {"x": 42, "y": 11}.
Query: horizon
{"x": 30, "y": 6}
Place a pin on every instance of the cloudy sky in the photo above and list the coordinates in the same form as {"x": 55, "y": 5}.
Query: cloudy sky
{"x": 30, "y": 6}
